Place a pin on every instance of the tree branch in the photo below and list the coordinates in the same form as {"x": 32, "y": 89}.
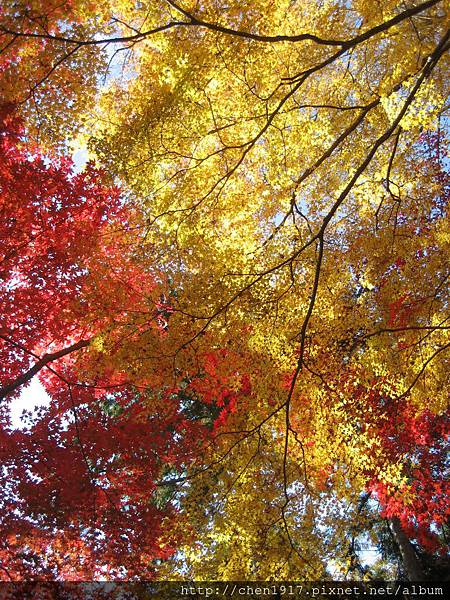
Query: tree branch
{"x": 40, "y": 364}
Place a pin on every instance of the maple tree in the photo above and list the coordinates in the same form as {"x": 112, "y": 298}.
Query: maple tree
{"x": 85, "y": 480}
{"x": 285, "y": 169}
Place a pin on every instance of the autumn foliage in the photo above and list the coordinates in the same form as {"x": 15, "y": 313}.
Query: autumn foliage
{"x": 81, "y": 481}
{"x": 238, "y": 305}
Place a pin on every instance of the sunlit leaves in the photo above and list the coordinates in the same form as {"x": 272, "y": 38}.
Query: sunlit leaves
{"x": 277, "y": 298}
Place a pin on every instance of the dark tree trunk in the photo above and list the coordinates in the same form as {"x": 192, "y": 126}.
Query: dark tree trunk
{"x": 411, "y": 563}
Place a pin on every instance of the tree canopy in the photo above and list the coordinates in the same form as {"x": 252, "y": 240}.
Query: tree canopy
{"x": 239, "y": 306}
